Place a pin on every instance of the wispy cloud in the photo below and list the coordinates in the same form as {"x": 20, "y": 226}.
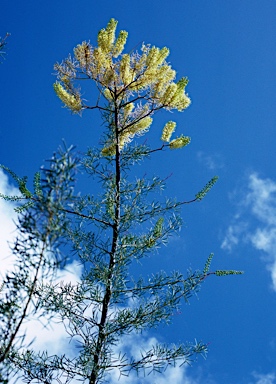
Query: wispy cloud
{"x": 269, "y": 378}
{"x": 255, "y": 220}
{"x": 7, "y": 222}
{"x": 212, "y": 162}
{"x": 233, "y": 235}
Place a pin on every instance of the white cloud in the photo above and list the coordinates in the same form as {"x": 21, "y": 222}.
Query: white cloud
{"x": 232, "y": 236}
{"x": 7, "y": 225}
{"x": 255, "y": 222}
{"x": 269, "y": 378}
{"x": 262, "y": 199}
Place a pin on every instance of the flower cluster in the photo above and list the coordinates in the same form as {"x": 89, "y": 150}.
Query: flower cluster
{"x": 72, "y": 101}
{"x": 180, "y": 142}
{"x": 168, "y": 130}
{"x": 126, "y": 136}
{"x": 130, "y": 83}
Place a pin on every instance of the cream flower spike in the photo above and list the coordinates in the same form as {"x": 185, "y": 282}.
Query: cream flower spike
{"x": 168, "y": 130}
{"x": 180, "y": 142}
{"x": 71, "y": 101}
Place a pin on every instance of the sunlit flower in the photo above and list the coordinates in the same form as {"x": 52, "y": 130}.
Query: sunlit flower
{"x": 71, "y": 101}
{"x": 168, "y": 94}
{"x": 128, "y": 109}
{"x": 168, "y": 131}
{"x": 141, "y": 125}
{"x": 156, "y": 56}
{"x": 109, "y": 77}
{"x": 180, "y": 142}
{"x": 100, "y": 62}
{"x": 125, "y": 71}
{"x": 106, "y": 36}
{"x": 133, "y": 83}
{"x": 107, "y": 94}
{"x": 83, "y": 53}
{"x": 181, "y": 102}
{"x": 120, "y": 43}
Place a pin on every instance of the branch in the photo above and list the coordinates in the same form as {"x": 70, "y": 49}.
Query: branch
{"x": 87, "y": 217}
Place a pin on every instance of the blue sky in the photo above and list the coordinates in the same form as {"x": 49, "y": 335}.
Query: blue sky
{"x": 227, "y": 50}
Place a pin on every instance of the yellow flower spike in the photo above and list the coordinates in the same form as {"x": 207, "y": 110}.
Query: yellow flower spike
{"x": 73, "y": 102}
{"x": 82, "y": 53}
{"x": 108, "y": 77}
{"x": 97, "y": 61}
{"x": 148, "y": 79}
{"x": 110, "y": 30}
{"x": 128, "y": 109}
{"x": 102, "y": 40}
{"x": 107, "y": 94}
{"x": 168, "y": 94}
{"x": 180, "y": 142}
{"x": 100, "y": 62}
{"x": 125, "y": 138}
{"x": 120, "y": 43}
{"x": 158, "y": 88}
{"x": 163, "y": 54}
{"x": 106, "y": 36}
{"x": 168, "y": 131}
{"x": 125, "y": 69}
{"x": 182, "y": 102}
{"x": 152, "y": 57}
{"x": 144, "y": 81}
{"x": 166, "y": 73}
{"x": 141, "y": 126}
{"x": 181, "y": 84}
{"x": 163, "y": 76}
{"x": 136, "y": 129}
{"x": 141, "y": 63}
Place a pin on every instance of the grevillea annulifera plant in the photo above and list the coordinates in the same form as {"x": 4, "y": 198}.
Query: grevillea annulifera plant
{"x": 105, "y": 232}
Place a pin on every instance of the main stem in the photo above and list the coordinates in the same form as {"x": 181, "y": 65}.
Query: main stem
{"x": 115, "y": 234}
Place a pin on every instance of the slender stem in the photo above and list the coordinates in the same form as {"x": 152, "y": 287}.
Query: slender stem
{"x": 115, "y": 235}
{"x": 86, "y": 216}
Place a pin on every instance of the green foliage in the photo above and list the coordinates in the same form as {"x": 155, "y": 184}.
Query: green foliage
{"x": 21, "y": 183}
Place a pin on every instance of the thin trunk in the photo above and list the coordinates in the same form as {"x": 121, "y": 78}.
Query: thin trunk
{"x": 115, "y": 235}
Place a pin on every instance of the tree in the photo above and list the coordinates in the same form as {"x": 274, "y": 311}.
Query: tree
{"x": 106, "y": 231}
